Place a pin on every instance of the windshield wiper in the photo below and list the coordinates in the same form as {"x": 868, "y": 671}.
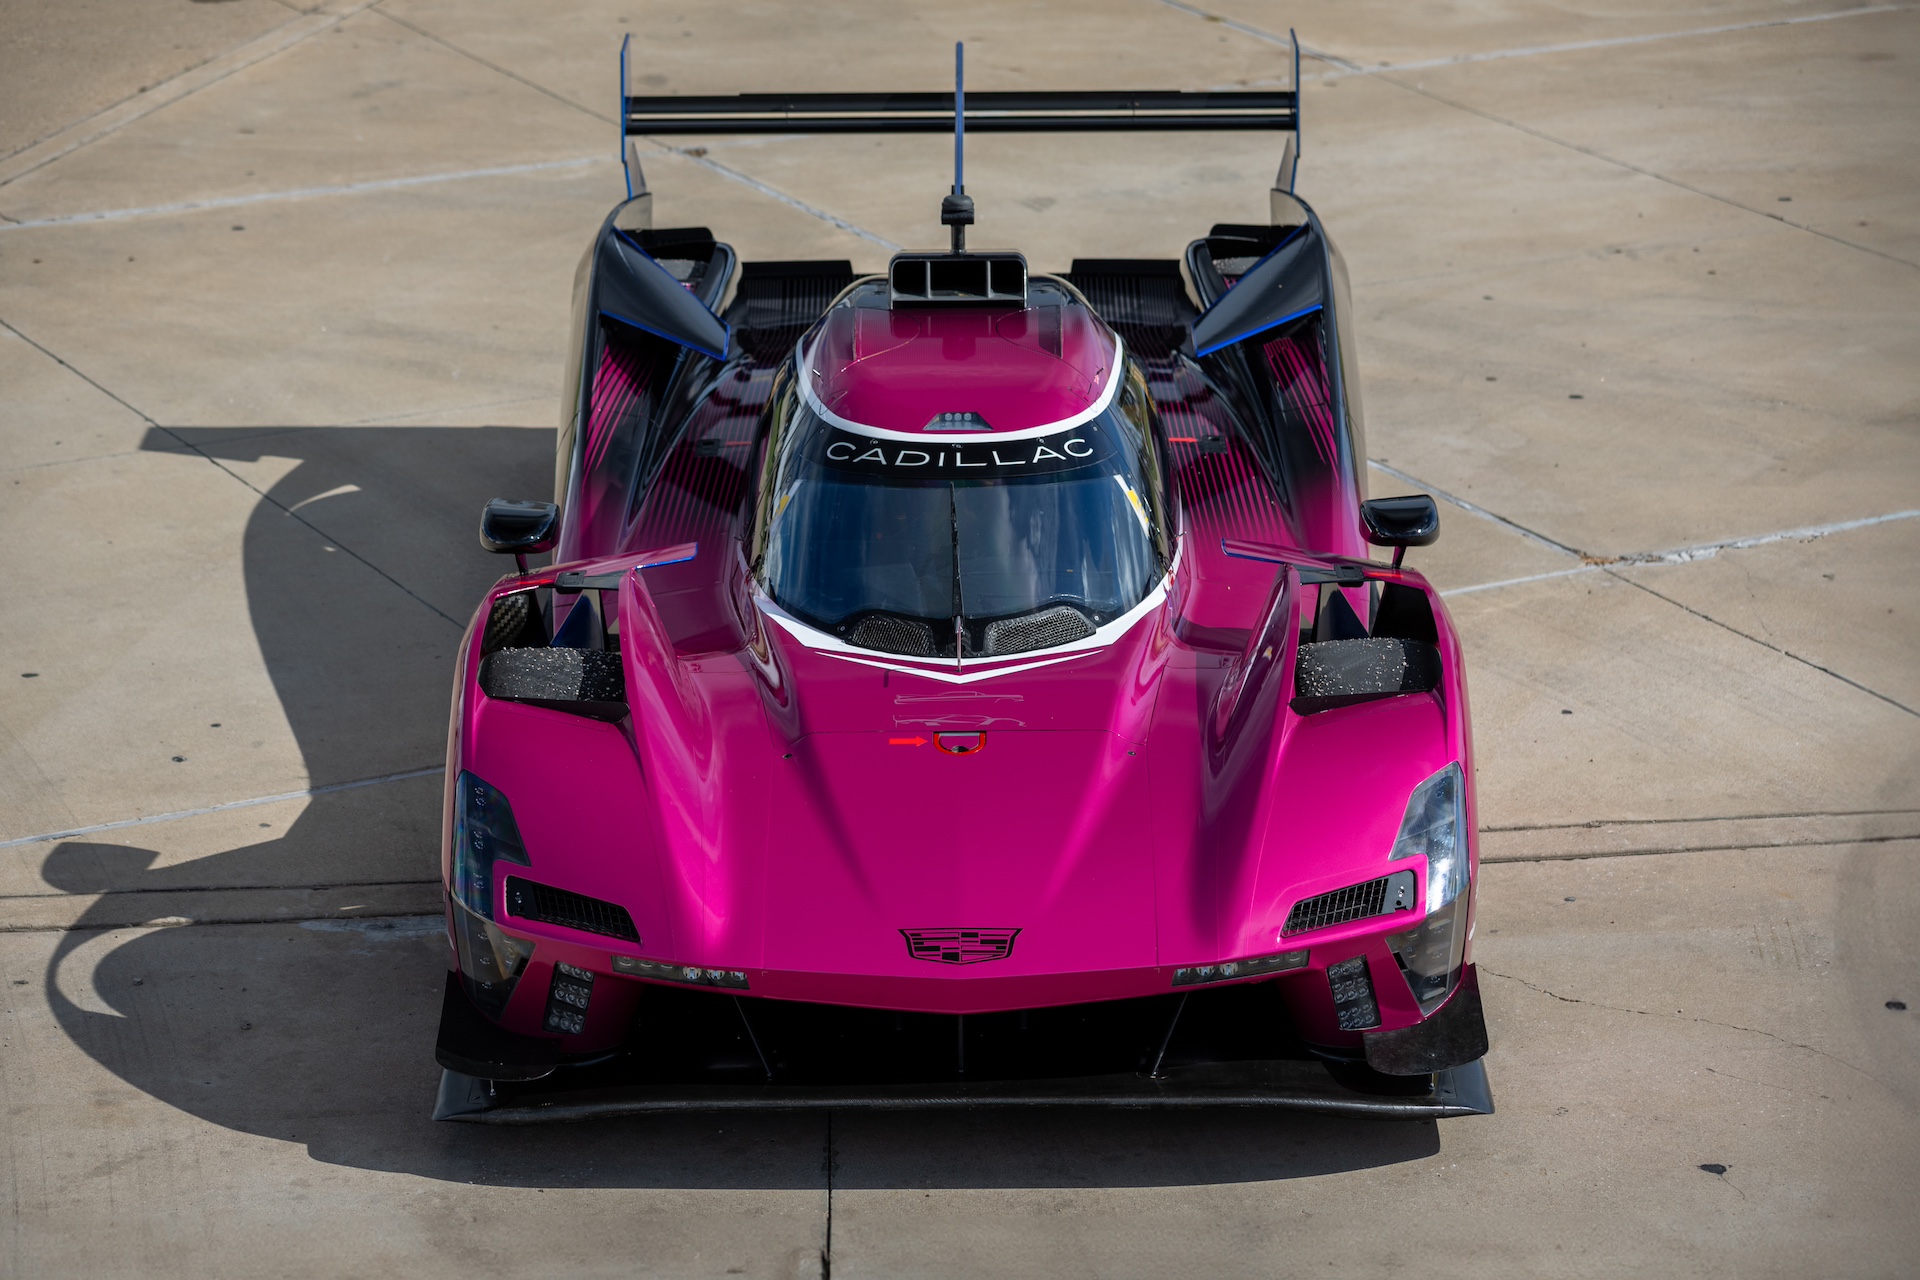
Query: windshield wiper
{"x": 959, "y": 604}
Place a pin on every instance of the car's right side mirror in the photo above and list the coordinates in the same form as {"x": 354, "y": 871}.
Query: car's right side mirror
{"x": 1412, "y": 521}
{"x": 516, "y": 528}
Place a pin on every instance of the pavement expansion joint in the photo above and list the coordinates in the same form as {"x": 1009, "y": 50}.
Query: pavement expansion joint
{"x": 329, "y": 886}
{"x": 1726, "y": 847}
{"x": 252, "y": 802}
{"x": 1386, "y": 73}
{"x": 184, "y": 84}
{"x": 186, "y": 922}
{"x": 1614, "y": 42}
{"x": 1591, "y": 823}
{"x": 1642, "y": 170}
{"x": 301, "y": 193}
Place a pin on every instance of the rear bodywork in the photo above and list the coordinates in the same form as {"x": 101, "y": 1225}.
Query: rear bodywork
{"x": 703, "y": 852}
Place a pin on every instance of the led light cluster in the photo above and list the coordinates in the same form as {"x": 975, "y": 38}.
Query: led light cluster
{"x": 568, "y": 999}
{"x": 1353, "y": 1002}
{"x": 1256, "y": 967}
{"x": 693, "y": 975}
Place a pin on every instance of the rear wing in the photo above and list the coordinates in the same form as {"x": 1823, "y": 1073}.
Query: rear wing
{"x": 1067, "y": 111}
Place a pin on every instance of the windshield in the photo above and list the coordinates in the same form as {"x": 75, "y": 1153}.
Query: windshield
{"x": 1003, "y": 546}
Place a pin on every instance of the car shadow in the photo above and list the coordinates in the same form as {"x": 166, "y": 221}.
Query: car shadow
{"x": 320, "y": 1031}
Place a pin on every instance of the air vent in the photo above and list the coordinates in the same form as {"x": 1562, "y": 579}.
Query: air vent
{"x": 1355, "y": 902}
{"x": 1061, "y": 624}
{"x": 533, "y": 901}
{"x": 894, "y": 635}
{"x": 1340, "y": 673}
{"x": 586, "y": 682}
{"x": 957, "y": 278}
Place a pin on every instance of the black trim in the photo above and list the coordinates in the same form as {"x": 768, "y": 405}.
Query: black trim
{"x": 1095, "y": 111}
{"x": 531, "y": 900}
{"x": 471, "y": 1044}
{"x": 1453, "y": 1036}
{"x": 1282, "y": 1086}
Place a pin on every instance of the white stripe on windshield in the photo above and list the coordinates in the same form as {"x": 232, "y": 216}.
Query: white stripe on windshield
{"x": 1116, "y": 374}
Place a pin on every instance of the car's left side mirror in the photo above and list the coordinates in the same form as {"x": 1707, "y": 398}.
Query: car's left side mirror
{"x": 517, "y": 528}
{"x": 1412, "y": 521}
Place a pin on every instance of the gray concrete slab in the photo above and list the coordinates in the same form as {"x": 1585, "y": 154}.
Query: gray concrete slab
{"x": 61, "y": 62}
{"x": 1595, "y": 700}
{"x": 243, "y": 467}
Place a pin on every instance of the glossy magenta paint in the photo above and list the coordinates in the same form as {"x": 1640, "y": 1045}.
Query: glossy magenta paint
{"x": 1152, "y": 803}
{"x": 1017, "y": 369}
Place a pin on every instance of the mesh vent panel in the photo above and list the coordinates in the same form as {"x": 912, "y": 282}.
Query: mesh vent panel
{"x": 533, "y": 901}
{"x": 1061, "y": 624}
{"x": 894, "y": 635}
{"x": 554, "y": 675}
{"x": 1335, "y": 673}
{"x": 1355, "y": 902}
{"x": 776, "y": 301}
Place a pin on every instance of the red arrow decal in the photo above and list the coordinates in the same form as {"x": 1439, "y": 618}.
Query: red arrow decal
{"x": 906, "y": 742}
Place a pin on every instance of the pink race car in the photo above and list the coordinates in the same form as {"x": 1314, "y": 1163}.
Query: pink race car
{"x": 961, "y": 686}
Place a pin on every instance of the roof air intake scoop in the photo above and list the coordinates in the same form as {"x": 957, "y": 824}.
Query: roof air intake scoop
{"x": 956, "y": 211}
{"x": 958, "y": 276}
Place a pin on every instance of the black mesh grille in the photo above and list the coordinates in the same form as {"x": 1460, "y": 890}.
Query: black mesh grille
{"x": 554, "y": 675}
{"x": 1355, "y": 902}
{"x": 532, "y": 901}
{"x": 1145, "y": 299}
{"x": 776, "y": 301}
{"x": 894, "y": 635}
{"x": 1337, "y": 673}
{"x": 1061, "y": 624}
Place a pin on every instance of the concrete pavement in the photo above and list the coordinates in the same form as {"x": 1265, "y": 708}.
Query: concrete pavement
{"x": 283, "y": 296}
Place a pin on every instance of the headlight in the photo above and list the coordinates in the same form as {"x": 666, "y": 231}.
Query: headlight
{"x": 483, "y": 831}
{"x": 1435, "y": 828}
{"x": 491, "y": 959}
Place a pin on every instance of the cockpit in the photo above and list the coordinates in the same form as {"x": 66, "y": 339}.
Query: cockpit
{"x": 960, "y": 540}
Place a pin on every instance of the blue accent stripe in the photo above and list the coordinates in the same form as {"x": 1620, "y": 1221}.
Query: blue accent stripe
{"x": 1252, "y": 333}
{"x": 655, "y": 564}
{"x": 624, "y": 42}
{"x": 679, "y": 342}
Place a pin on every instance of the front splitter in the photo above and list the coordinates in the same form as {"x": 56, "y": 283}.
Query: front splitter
{"x": 1279, "y": 1085}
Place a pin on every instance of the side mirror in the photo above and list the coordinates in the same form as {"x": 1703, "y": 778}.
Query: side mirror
{"x": 1412, "y": 521}
{"x": 516, "y": 528}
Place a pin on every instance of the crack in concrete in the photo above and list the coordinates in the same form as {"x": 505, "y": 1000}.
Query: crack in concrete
{"x": 704, "y": 161}
{"x": 1765, "y": 644}
{"x": 1711, "y": 1022}
{"x": 490, "y": 65}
